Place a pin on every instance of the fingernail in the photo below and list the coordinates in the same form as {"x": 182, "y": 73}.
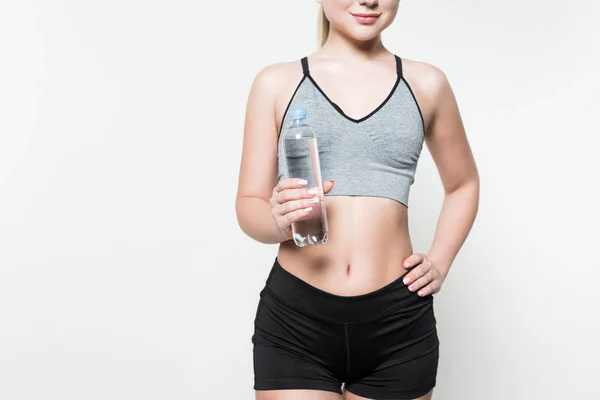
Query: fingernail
{"x": 312, "y": 191}
{"x": 302, "y": 182}
{"x": 406, "y": 280}
{"x": 314, "y": 200}
{"x": 411, "y": 288}
{"x": 307, "y": 210}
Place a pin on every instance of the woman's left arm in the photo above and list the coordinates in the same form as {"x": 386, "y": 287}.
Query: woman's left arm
{"x": 449, "y": 147}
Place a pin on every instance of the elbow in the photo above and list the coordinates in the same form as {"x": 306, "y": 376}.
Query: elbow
{"x": 469, "y": 182}
{"x": 468, "y": 189}
{"x": 245, "y": 225}
{"x": 241, "y": 214}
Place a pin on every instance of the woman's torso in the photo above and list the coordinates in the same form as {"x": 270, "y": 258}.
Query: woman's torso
{"x": 368, "y": 229}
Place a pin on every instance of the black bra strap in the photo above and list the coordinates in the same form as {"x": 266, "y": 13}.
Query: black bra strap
{"x": 399, "y": 66}
{"x": 305, "y": 66}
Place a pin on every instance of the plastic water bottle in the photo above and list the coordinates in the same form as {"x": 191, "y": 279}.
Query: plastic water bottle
{"x": 301, "y": 160}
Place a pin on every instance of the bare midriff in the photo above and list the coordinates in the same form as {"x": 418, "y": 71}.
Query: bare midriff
{"x": 368, "y": 242}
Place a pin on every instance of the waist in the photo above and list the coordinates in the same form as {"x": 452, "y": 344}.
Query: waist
{"x": 368, "y": 241}
{"x": 295, "y": 292}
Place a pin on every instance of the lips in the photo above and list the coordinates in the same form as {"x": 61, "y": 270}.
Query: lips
{"x": 366, "y": 18}
{"x": 363, "y": 15}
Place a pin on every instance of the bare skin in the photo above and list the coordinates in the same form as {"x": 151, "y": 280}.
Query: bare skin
{"x": 369, "y": 243}
{"x": 369, "y": 238}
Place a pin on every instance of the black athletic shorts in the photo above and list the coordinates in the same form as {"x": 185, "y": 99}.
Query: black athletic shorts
{"x": 379, "y": 345}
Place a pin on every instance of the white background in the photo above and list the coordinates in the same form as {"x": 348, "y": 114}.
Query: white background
{"x": 123, "y": 273}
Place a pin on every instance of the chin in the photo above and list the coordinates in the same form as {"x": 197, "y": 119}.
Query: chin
{"x": 363, "y": 35}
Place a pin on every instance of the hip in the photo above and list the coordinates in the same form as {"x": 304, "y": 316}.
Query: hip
{"x": 351, "y": 335}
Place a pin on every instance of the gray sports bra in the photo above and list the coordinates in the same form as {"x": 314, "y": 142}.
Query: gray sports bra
{"x": 375, "y": 155}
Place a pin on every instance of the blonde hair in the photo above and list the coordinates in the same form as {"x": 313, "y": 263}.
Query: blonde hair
{"x": 323, "y": 28}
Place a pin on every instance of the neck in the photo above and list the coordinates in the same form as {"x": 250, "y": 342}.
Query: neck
{"x": 341, "y": 46}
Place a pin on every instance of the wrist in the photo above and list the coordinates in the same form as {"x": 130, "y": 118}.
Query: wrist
{"x": 441, "y": 265}
{"x": 284, "y": 235}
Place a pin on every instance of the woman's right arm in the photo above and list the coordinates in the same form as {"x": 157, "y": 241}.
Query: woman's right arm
{"x": 265, "y": 208}
{"x": 258, "y": 170}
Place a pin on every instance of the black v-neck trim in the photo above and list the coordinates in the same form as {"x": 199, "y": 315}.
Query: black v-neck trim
{"x": 339, "y": 109}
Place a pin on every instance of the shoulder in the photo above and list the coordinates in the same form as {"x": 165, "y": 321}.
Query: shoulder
{"x": 272, "y": 87}
{"x": 273, "y": 77}
{"x": 428, "y": 78}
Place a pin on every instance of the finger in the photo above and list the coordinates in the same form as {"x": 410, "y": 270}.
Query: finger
{"x": 289, "y": 183}
{"x": 297, "y": 215}
{"x": 328, "y": 185}
{"x": 421, "y": 282}
{"x": 416, "y": 273}
{"x": 295, "y": 194}
{"x": 294, "y": 205}
{"x": 413, "y": 260}
{"x": 431, "y": 288}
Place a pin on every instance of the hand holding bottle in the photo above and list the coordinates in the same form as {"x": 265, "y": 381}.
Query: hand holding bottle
{"x": 291, "y": 201}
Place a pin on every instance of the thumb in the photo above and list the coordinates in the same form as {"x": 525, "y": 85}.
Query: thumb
{"x": 328, "y": 185}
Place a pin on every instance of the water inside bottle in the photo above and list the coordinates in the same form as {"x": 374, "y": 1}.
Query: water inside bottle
{"x": 311, "y": 229}
{"x": 302, "y": 159}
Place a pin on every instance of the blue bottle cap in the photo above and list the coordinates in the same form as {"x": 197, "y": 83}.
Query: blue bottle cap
{"x": 298, "y": 113}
